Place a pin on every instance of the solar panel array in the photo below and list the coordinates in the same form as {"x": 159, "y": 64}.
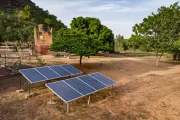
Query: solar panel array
{"x": 71, "y": 89}
{"x": 40, "y": 74}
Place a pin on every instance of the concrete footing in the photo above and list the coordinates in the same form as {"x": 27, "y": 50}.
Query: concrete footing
{"x": 20, "y": 91}
{"x": 51, "y": 103}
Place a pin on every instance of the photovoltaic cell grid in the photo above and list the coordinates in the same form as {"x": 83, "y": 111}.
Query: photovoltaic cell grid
{"x": 74, "y": 88}
{"x": 49, "y": 72}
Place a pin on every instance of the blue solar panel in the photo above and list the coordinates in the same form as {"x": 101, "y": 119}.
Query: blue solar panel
{"x": 61, "y": 71}
{"x": 103, "y": 79}
{"x": 64, "y": 91}
{"x": 77, "y": 87}
{"x": 47, "y": 72}
{"x": 71, "y": 69}
{"x": 92, "y": 82}
{"x": 32, "y": 75}
{"x": 80, "y": 86}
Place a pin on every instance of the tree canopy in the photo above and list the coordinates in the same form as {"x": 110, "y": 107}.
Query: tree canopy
{"x": 17, "y": 21}
{"x": 159, "y": 31}
{"x": 13, "y": 28}
{"x": 93, "y": 28}
{"x": 85, "y": 38}
{"x": 119, "y": 43}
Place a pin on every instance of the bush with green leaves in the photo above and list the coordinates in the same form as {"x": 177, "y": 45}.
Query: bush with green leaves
{"x": 40, "y": 61}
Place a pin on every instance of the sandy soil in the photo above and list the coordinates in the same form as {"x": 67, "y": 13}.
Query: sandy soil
{"x": 143, "y": 91}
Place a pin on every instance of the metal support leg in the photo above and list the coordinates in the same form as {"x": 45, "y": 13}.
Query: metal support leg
{"x": 67, "y": 107}
{"x": 51, "y": 102}
{"x": 5, "y": 59}
{"x": 112, "y": 90}
{"x": 20, "y": 81}
{"x": 51, "y": 97}
{"x": 20, "y": 62}
{"x": 89, "y": 100}
{"x": 29, "y": 87}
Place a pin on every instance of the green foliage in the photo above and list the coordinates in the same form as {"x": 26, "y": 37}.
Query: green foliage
{"x": 85, "y": 38}
{"x": 139, "y": 42}
{"x": 175, "y": 50}
{"x": 158, "y": 31}
{"x": 17, "y": 47}
{"x": 17, "y": 23}
{"x": 26, "y": 13}
{"x": 13, "y": 28}
{"x": 43, "y": 17}
{"x": 119, "y": 43}
{"x": 47, "y": 21}
{"x": 176, "y": 45}
{"x": 71, "y": 41}
{"x": 134, "y": 42}
{"x": 125, "y": 46}
{"x": 93, "y": 28}
{"x": 40, "y": 61}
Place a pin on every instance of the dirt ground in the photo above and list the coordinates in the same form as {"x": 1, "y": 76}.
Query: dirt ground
{"x": 143, "y": 91}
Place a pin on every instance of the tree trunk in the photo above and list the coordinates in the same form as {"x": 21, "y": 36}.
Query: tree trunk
{"x": 158, "y": 59}
{"x": 80, "y": 60}
{"x": 174, "y": 56}
{"x": 178, "y": 58}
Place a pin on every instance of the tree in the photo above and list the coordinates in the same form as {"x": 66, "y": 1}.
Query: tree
{"x": 139, "y": 42}
{"x": 93, "y": 28}
{"x": 47, "y": 21}
{"x": 70, "y": 41}
{"x": 25, "y": 31}
{"x": 125, "y": 46}
{"x": 119, "y": 43}
{"x": 15, "y": 28}
{"x": 176, "y": 50}
{"x": 85, "y": 38}
{"x": 8, "y": 23}
{"x": 26, "y": 13}
{"x": 44, "y": 17}
{"x": 160, "y": 30}
{"x": 134, "y": 42}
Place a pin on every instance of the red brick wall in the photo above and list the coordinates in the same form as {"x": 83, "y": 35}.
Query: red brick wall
{"x": 41, "y": 45}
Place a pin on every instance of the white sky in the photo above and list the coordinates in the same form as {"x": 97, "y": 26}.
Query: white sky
{"x": 119, "y": 15}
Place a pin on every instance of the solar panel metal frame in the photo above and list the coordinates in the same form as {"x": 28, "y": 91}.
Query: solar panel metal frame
{"x": 52, "y": 70}
{"x": 77, "y": 90}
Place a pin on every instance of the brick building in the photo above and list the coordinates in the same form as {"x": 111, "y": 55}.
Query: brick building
{"x": 42, "y": 39}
